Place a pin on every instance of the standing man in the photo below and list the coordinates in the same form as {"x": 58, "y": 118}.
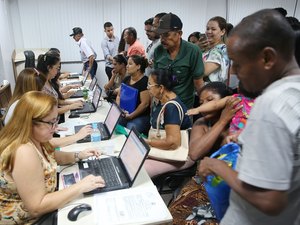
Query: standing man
{"x": 88, "y": 55}
{"x": 181, "y": 57}
{"x": 265, "y": 189}
{"x": 135, "y": 46}
{"x": 109, "y": 47}
{"x": 155, "y": 41}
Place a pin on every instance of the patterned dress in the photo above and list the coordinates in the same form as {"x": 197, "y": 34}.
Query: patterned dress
{"x": 218, "y": 55}
{"x": 12, "y": 209}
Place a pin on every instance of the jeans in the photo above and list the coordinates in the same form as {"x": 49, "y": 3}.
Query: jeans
{"x": 93, "y": 70}
{"x": 108, "y": 71}
{"x": 141, "y": 123}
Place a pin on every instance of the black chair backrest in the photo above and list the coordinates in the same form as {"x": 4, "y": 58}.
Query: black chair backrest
{"x": 29, "y": 59}
{"x": 5, "y": 96}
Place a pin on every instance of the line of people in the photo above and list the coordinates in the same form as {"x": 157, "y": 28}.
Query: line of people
{"x": 267, "y": 182}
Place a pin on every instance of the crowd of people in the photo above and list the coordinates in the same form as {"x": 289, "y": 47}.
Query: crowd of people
{"x": 262, "y": 115}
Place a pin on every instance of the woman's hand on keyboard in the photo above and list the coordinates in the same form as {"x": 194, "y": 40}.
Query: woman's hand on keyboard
{"x": 76, "y": 105}
{"x": 83, "y": 132}
{"x": 88, "y": 153}
{"x": 91, "y": 182}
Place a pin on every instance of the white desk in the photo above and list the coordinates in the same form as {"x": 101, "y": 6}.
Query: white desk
{"x": 115, "y": 207}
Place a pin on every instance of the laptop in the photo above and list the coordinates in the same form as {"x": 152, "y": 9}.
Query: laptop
{"x": 79, "y": 93}
{"x": 81, "y": 83}
{"x": 107, "y": 127}
{"x": 90, "y": 107}
{"x": 118, "y": 172}
{"x": 74, "y": 75}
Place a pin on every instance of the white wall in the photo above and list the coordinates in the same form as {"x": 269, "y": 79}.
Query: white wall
{"x": 6, "y": 44}
{"x": 46, "y": 24}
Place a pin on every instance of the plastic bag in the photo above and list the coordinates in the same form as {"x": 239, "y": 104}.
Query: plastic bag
{"x": 217, "y": 189}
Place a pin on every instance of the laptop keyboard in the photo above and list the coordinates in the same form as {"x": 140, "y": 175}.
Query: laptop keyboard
{"x": 104, "y": 135}
{"x": 105, "y": 168}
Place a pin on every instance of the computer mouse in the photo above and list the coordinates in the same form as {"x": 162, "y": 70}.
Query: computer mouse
{"x": 74, "y": 213}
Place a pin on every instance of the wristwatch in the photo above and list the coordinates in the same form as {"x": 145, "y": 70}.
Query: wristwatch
{"x": 76, "y": 156}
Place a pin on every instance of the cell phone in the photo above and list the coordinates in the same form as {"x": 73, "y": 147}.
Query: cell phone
{"x": 203, "y": 37}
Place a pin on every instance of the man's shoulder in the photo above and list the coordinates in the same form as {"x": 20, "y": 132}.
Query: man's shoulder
{"x": 188, "y": 45}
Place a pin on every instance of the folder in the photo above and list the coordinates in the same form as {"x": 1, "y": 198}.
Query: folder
{"x": 128, "y": 98}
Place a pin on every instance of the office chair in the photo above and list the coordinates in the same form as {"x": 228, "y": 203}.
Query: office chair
{"x": 168, "y": 182}
{"x": 5, "y": 96}
{"x": 29, "y": 59}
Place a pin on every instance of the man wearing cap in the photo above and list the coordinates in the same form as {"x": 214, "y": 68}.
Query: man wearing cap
{"x": 181, "y": 57}
{"x": 88, "y": 55}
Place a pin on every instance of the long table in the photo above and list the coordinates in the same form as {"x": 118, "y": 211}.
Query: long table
{"x": 140, "y": 204}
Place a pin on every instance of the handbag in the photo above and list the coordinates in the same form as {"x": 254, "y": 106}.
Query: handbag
{"x": 217, "y": 189}
{"x": 179, "y": 154}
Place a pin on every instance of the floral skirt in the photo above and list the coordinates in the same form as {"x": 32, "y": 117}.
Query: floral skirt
{"x": 191, "y": 206}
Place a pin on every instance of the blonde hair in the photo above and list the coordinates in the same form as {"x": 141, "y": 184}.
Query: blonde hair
{"x": 34, "y": 105}
{"x": 29, "y": 79}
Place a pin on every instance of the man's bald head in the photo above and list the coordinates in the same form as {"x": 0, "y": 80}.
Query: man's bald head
{"x": 266, "y": 28}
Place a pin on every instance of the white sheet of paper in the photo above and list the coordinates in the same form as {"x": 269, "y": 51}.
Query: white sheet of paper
{"x": 142, "y": 206}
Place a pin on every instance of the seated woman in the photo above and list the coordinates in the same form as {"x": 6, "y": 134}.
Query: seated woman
{"x": 118, "y": 75}
{"x": 30, "y": 79}
{"x": 49, "y": 64}
{"x": 207, "y": 134}
{"x": 27, "y": 157}
{"x": 160, "y": 87}
{"x": 140, "y": 117}
{"x": 215, "y": 58}
{"x": 66, "y": 91}
{"x": 238, "y": 122}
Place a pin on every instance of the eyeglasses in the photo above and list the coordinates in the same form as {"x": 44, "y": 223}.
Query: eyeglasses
{"x": 151, "y": 85}
{"x": 51, "y": 124}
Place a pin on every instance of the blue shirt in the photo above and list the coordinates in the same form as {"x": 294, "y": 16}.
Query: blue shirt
{"x": 171, "y": 115}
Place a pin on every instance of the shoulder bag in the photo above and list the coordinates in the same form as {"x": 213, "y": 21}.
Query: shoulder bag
{"x": 179, "y": 154}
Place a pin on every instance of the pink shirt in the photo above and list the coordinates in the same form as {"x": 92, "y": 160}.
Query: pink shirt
{"x": 136, "y": 49}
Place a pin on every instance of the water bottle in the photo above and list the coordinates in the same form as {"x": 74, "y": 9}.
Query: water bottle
{"x": 96, "y": 135}
{"x": 85, "y": 92}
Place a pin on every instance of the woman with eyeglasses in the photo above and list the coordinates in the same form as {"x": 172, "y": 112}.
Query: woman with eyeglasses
{"x": 30, "y": 79}
{"x": 28, "y": 163}
{"x": 140, "y": 117}
{"x": 160, "y": 85}
{"x": 49, "y": 64}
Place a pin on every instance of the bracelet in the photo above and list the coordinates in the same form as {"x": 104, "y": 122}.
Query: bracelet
{"x": 76, "y": 156}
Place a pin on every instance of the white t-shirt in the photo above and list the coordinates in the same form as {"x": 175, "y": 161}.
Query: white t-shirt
{"x": 270, "y": 156}
{"x": 86, "y": 49}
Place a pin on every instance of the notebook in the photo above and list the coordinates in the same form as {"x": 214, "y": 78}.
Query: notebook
{"x": 118, "y": 172}
{"x": 79, "y": 93}
{"x": 107, "y": 127}
{"x": 90, "y": 107}
{"x": 80, "y": 83}
{"x": 73, "y": 75}
{"x": 128, "y": 98}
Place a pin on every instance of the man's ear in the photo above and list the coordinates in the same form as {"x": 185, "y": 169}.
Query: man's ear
{"x": 270, "y": 57}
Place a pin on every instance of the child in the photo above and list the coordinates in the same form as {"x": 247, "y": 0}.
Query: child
{"x": 239, "y": 120}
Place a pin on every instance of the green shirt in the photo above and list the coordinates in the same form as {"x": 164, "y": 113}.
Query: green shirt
{"x": 187, "y": 67}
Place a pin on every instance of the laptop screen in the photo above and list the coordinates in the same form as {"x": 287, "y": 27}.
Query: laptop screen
{"x": 132, "y": 155}
{"x": 92, "y": 84}
{"x": 96, "y": 96}
{"x": 112, "y": 118}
